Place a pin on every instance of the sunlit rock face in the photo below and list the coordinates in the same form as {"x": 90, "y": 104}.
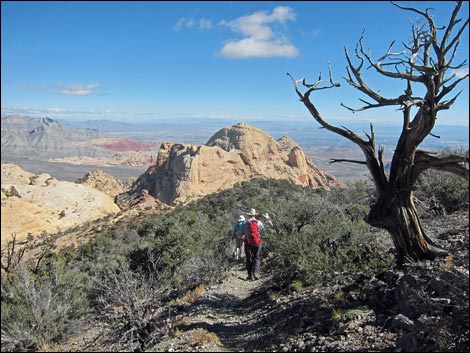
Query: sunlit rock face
{"x": 234, "y": 154}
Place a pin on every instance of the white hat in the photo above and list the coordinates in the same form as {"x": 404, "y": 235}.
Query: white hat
{"x": 265, "y": 215}
{"x": 241, "y": 218}
{"x": 252, "y": 212}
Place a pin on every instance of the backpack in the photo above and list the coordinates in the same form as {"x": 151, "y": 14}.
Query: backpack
{"x": 239, "y": 229}
{"x": 253, "y": 233}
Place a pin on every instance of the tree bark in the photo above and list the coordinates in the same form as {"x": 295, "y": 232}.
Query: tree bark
{"x": 396, "y": 213}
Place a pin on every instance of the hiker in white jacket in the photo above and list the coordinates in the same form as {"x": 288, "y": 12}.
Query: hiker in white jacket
{"x": 239, "y": 236}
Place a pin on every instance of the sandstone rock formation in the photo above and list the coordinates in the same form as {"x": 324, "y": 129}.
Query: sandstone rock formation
{"x": 12, "y": 174}
{"x": 103, "y": 182}
{"x": 183, "y": 172}
{"x": 36, "y": 203}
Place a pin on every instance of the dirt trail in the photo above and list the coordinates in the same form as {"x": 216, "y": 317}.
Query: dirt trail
{"x": 232, "y": 310}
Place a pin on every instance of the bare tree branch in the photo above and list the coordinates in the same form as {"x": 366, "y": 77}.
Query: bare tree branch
{"x": 447, "y": 104}
{"x": 334, "y": 160}
{"x": 447, "y": 89}
{"x": 453, "y": 164}
{"x": 12, "y": 255}
{"x": 398, "y": 74}
{"x": 452, "y": 22}
{"x": 367, "y": 147}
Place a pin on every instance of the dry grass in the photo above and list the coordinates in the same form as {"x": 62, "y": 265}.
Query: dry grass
{"x": 228, "y": 275}
{"x": 176, "y": 332}
{"x": 201, "y": 337}
{"x": 273, "y": 295}
{"x": 49, "y": 347}
{"x": 448, "y": 263}
{"x": 191, "y": 296}
{"x": 181, "y": 320}
{"x": 336, "y": 314}
{"x": 296, "y": 285}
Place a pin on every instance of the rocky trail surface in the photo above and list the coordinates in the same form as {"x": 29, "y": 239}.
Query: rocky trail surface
{"x": 232, "y": 311}
{"x": 245, "y": 316}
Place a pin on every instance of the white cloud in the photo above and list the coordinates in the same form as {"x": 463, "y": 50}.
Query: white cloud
{"x": 70, "y": 89}
{"x": 192, "y": 23}
{"x": 253, "y": 48}
{"x": 31, "y": 111}
{"x": 260, "y": 40}
{"x": 311, "y": 33}
{"x": 79, "y": 90}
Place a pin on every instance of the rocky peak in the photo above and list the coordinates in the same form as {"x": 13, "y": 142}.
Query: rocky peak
{"x": 241, "y": 137}
{"x": 12, "y": 174}
{"x": 287, "y": 143}
{"x": 48, "y": 121}
{"x": 233, "y": 154}
{"x": 103, "y": 182}
{"x": 46, "y": 124}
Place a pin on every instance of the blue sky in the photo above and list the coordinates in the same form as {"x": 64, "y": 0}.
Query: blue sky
{"x": 135, "y": 61}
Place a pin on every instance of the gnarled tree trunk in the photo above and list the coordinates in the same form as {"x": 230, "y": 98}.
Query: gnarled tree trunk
{"x": 396, "y": 213}
{"x": 425, "y": 61}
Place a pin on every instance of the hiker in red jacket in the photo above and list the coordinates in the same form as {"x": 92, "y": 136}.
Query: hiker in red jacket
{"x": 253, "y": 245}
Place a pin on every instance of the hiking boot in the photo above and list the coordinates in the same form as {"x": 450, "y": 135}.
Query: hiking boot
{"x": 250, "y": 278}
{"x": 255, "y": 277}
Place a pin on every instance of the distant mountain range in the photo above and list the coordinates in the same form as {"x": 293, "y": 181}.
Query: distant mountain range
{"x": 306, "y": 132}
{"x": 101, "y": 125}
{"x": 45, "y": 137}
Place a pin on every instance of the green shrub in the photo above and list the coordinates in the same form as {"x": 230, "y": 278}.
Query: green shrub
{"x": 38, "y": 309}
{"x": 189, "y": 245}
{"x": 319, "y": 236}
{"x": 11, "y": 192}
{"x": 445, "y": 192}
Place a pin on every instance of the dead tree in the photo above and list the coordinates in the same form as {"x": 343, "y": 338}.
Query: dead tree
{"x": 423, "y": 62}
{"x": 12, "y": 255}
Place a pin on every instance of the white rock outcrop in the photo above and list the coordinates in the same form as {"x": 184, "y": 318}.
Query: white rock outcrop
{"x": 238, "y": 153}
{"x": 37, "y": 203}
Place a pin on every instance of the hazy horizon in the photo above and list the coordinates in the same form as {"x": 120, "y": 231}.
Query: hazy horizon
{"x": 182, "y": 119}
